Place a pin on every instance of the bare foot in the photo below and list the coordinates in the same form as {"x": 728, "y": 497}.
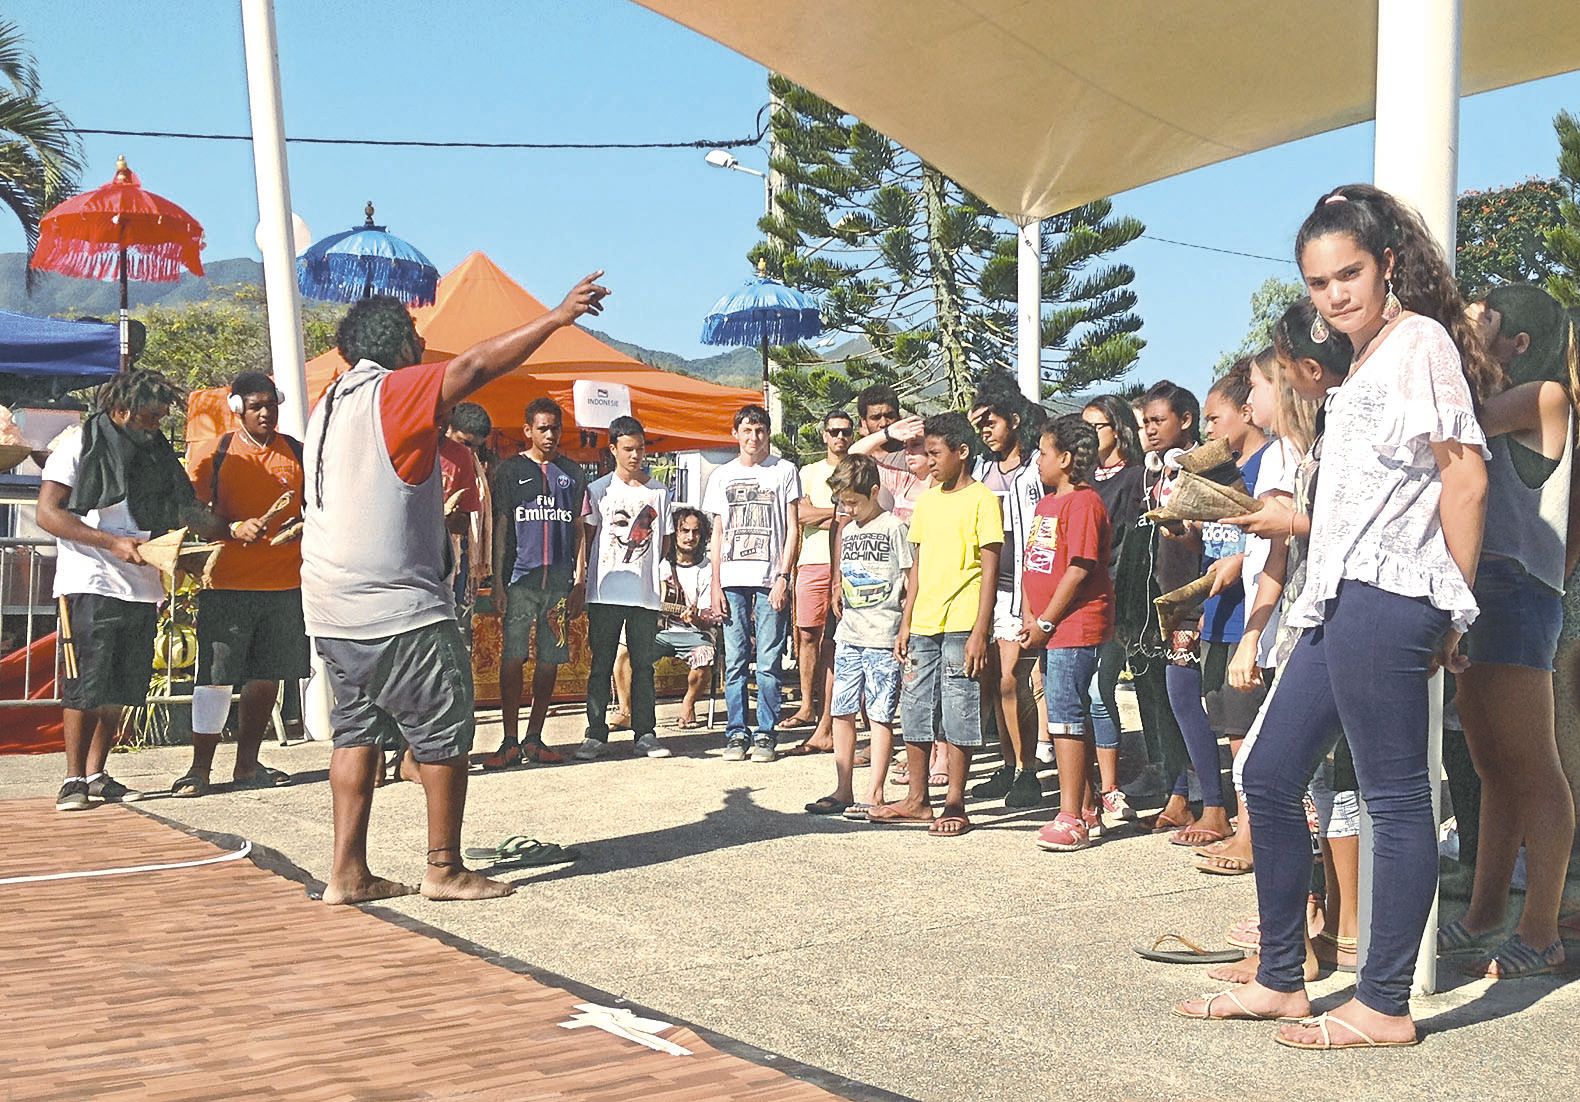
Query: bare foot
{"x": 1349, "y": 1026}
{"x": 1233, "y": 846}
{"x": 452, "y": 882}
{"x": 1241, "y": 971}
{"x": 1253, "y": 1002}
{"x": 906, "y": 811}
{"x": 367, "y": 890}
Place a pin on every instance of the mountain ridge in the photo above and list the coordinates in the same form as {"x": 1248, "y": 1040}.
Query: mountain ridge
{"x": 62, "y": 296}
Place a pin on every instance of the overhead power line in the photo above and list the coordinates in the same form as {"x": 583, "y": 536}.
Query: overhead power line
{"x": 418, "y": 143}
{"x": 1215, "y": 249}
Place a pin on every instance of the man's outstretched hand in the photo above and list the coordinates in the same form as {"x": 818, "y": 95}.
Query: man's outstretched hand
{"x": 585, "y": 298}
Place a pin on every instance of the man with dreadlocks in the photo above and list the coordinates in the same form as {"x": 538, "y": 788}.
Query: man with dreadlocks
{"x": 374, "y": 569}
{"x": 108, "y": 487}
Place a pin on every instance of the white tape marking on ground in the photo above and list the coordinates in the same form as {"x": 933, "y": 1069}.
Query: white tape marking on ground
{"x": 622, "y": 1023}
{"x": 246, "y": 848}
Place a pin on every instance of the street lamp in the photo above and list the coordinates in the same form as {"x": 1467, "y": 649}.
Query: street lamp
{"x": 722, "y": 158}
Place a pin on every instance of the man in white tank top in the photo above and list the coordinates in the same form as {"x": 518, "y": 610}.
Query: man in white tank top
{"x": 374, "y": 568}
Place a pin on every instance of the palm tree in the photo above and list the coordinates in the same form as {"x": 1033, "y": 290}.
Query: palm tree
{"x": 40, "y": 154}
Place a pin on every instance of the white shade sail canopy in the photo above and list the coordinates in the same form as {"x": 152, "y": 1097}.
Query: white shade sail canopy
{"x": 1041, "y": 105}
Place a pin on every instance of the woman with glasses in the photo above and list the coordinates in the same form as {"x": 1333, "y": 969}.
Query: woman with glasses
{"x": 1118, "y": 481}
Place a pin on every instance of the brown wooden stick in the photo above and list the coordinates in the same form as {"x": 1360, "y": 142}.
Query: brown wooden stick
{"x": 68, "y": 647}
{"x": 290, "y": 532}
{"x": 281, "y": 504}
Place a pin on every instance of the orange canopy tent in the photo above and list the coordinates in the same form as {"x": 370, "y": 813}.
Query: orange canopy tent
{"x": 478, "y": 300}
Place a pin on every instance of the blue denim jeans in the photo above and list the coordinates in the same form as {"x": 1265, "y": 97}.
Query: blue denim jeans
{"x": 1105, "y": 707}
{"x": 752, "y": 620}
{"x": 938, "y": 702}
{"x": 1067, "y": 674}
{"x": 1365, "y": 669}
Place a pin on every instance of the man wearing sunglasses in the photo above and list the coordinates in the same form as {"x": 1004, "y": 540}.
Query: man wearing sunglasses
{"x": 815, "y": 513}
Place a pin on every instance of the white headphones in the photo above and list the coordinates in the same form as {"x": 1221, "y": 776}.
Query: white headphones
{"x": 238, "y": 405}
{"x": 1170, "y": 460}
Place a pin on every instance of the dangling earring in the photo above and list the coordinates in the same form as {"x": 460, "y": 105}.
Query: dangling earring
{"x": 1319, "y": 330}
{"x": 1392, "y": 307}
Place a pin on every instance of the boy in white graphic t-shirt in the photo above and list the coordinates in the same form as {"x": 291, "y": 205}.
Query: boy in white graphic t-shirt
{"x": 752, "y": 500}
{"x": 629, "y": 528}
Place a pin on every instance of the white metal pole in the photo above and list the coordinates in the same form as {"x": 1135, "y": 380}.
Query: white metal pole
{"x": 1416, "y": 157}
{"x": 274, "y": 213}
{"x": 1028, "y": 308}
{"x": 279, "y": 270}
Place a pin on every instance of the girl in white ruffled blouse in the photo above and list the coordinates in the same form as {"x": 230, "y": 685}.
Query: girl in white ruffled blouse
{"x": 1395, "y": 538}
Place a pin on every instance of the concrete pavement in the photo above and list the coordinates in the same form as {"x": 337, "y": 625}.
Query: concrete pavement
{"x": 974, "y": 968}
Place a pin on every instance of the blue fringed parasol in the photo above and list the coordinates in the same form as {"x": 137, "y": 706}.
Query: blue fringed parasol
{"x": 762, "y": 311}
{"x": 363, "y": 261}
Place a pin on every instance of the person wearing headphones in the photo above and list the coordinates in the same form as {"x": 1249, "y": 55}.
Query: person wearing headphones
{"x": 249, "y": 624}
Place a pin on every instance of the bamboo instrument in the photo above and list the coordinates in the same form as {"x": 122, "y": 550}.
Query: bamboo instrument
{"x": 68, "y": 646}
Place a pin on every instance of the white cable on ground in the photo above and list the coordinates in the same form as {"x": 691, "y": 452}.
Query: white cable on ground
{"x": 246, "y": 848}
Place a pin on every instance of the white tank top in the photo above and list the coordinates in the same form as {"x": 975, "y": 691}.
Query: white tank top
{"x": 374, "y": 549}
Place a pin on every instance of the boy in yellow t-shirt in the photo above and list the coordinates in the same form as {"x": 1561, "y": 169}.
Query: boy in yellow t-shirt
{"x": 958, "y": 533}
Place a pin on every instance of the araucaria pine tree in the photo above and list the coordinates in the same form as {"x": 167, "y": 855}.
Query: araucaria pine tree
{"x": 1563, "y": 240}
{"x": 906, "y": 258}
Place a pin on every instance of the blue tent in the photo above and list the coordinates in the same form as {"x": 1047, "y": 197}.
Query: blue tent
{"x": 68, "y": 354}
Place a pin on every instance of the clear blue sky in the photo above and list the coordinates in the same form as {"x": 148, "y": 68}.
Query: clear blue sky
{"x": 671, "y": 232}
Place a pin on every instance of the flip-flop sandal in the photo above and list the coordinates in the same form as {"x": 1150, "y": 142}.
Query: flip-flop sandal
{"x": 1162, "y": 824}
{"x": 1205, "y": 836}
{"x": 1246, "y": 1013}
{"x": 1326, "y": 1044}
{"x": 934, "y": 831}
{"x": 540, "y": 754}
{"x": 191, "y": 786}
{"x": 1518, "y": 961}
{"x": 1191, "y": 954}
{"x": 875, "y": 815}
{"x": 827, "y": 805}
{"x": 801, "y": 749}
{"x": 1216, "y": 864}
{"x": 506, "y": 757}
{"x": 264, "y": 777}
{"x": 1454, "y": 940}
{"x": 857, "y": 813}
{"x": 794, "y": 724}
{"x": 688, "y": 725}
{"x": 510, "y": 847}
{"x": 863, "y": 759}
{"x": 538, "y": 853}
{"x": 937, "y": 780}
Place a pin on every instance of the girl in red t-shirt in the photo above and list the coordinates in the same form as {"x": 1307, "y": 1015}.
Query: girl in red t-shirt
{"x": 1068, "y": 609}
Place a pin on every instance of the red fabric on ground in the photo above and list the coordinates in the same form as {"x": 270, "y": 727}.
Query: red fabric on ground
{"x": 30, "y": 730}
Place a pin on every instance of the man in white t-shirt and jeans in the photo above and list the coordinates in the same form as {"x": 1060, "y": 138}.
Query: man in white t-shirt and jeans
{"x": 752, "y": 501}
{"x": 628, "y": 533}
{"x": 107, "y": 488}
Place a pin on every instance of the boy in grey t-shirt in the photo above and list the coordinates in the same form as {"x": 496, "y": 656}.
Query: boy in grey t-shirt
{"x": 872, "y": 558}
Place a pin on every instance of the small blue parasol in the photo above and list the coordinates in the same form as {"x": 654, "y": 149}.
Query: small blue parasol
{"x": 363, "y": 261}
{"x": 762, "y": 311}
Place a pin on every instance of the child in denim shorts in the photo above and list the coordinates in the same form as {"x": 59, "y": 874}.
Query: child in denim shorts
{"x": 1068, "y": 607}
{"x": 872, "y": 558}
{"x": 958, "y": 533}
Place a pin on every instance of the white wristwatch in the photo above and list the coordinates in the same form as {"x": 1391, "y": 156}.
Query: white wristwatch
{"x": 1046, "y": 625}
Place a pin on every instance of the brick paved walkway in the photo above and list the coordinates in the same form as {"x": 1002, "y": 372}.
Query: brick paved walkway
{"x": 226, "y": 981}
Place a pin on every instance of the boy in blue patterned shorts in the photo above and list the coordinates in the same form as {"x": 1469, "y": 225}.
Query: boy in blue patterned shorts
{"x": 958, "y": 532}
{"x": 873, "y": 557}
